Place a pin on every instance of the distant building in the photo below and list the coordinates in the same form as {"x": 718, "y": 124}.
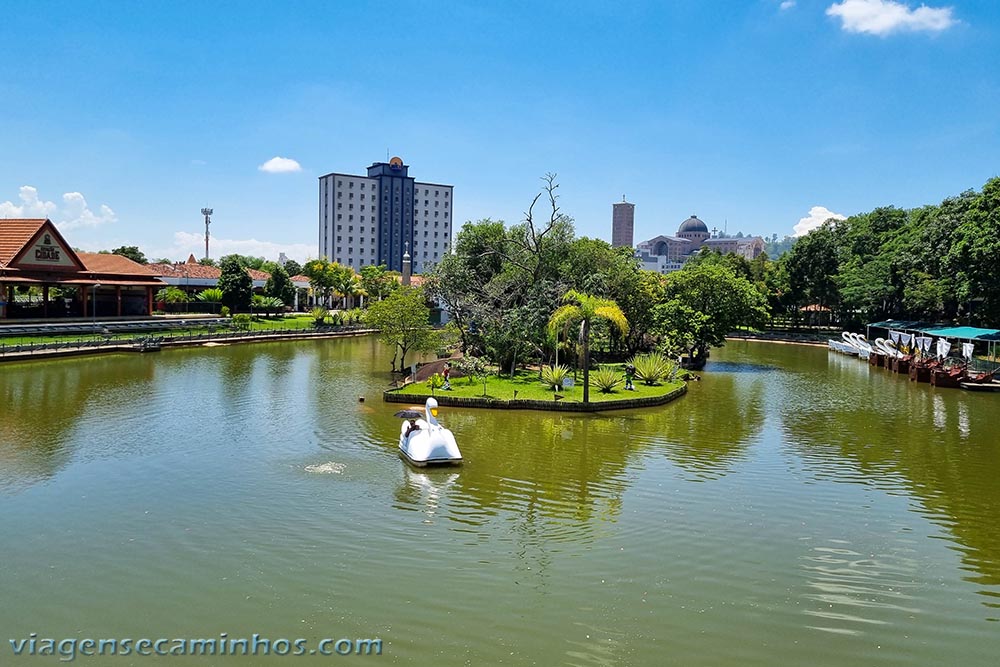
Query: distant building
{"x": 374, "y": 219}
{"x": 34, "y": 254}
{"x": 622, "y": 223}
{"x": 664, "y": 254}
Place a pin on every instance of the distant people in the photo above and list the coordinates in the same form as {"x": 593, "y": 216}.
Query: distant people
{"x": 447, "y": 376}
{"x": 629, "y": 377}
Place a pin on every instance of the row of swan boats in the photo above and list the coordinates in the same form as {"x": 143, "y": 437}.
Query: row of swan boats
{"x": 940, "y": 372}
{"x": 858, "y": 346}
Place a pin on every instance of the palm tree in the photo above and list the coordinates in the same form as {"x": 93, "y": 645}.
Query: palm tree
{"x": 585, "y": 308}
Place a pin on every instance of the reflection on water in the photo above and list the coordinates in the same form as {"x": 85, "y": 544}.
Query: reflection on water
{"x": 795, "y": 507}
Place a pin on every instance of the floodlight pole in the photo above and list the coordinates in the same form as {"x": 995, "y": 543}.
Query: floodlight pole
{"x": 207, "y": 212}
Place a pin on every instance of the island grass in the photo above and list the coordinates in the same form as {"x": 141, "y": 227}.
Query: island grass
{"x": 529, "y": 387}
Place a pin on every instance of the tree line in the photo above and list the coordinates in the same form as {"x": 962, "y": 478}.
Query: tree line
{"x": 935, "y": 263}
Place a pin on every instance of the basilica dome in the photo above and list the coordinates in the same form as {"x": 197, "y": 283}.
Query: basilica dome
{"x": 693, "y": 224}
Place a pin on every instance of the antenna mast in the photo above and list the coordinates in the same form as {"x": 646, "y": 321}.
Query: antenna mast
{"x": 207, "y": 212}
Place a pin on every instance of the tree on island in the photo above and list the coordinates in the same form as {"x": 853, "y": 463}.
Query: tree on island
{"x": 585, "y": 309}
{"x": 403, "y": 321}
{"x": 235, "y": 284}
{"x": 703, "y": 304}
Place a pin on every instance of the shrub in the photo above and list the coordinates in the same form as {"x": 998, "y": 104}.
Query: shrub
{"x": 210, "y": 295}
{"x": 472, "y": 368}
{"x": 319, "y": 315}
{"x": 224, "y": 311}
{"x": 552, "y": 376}
{"x": 242, "y": 321}
{"x": 606, "y": 379}
{"x": 652, "y": 367}
{"x": 435, "y": 381}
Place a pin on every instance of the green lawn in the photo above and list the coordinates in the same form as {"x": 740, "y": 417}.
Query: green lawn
{"x": 528, "y": 386}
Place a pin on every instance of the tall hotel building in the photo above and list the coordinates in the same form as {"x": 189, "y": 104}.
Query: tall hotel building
{"x": 374, "y": 219}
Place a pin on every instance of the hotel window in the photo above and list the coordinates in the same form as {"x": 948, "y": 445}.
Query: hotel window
{"x": 425, "y": 244}
{"x": 350, "y": 239}
{"x": 339, "y": 183}
{"x": 435, "y": 244}
{"x": 338, "y": 227}
{"x": 351, "y": 185}
{"x": 446, "y": 216}
{"x": 339, "y": 216}
{"x": 446, "y": 204}
{"x": 350, "y": 206}
{"x": 339, "y": 205}
{"x": 445, "y": 193}
{"x": 350, "y": 217}
{"x": 373, "y": 209}
{"x": 338, "y": 241}
{"x": 340, "y": 195}
{"x": 436, "y": 193}
{"x": 435, "y": 212}
{"x": 436, "y": 203}
{"x": 425, "y": 192}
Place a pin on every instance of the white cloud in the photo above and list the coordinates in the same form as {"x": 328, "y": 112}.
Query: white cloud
{"x": 188, "y": 243}
{"x": 882, "y": 17}
{"x": 280, "y": 165}
{"x": 74, "y": 212}
{"x": 787, "y": 4}
{"x": 817, "y": 216}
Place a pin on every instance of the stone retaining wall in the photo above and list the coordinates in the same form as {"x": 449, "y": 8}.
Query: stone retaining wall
{"x": 393, "y": 396}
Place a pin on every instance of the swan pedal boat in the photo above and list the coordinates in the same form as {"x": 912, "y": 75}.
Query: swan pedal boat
{"x": 429, "y": 443}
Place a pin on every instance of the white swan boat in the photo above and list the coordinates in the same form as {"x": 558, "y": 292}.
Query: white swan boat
{"x": 423, "y": 441}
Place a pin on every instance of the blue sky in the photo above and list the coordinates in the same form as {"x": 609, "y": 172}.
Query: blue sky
{"x": 121, "y": 120}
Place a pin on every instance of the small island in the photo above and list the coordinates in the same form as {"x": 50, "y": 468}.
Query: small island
{"x": 533, "y": 389}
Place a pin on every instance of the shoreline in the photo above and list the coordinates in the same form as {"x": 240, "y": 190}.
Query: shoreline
{"x": 393, "y": 396}
{"x": 133, "y": 347}
{"x": 780, "y": 341}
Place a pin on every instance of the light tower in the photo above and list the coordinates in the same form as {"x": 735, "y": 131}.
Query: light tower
{"x": 207, "y": 212}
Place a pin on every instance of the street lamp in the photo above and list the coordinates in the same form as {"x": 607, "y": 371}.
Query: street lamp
{"x": 93, "y": 301}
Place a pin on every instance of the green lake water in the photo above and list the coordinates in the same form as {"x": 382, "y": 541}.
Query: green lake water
{"x": 794, "y": 508}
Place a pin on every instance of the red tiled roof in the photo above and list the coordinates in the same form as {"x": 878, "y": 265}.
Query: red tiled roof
{"x": 99, "y": 262}
{"x": 299, "y": 278}
{"x": 258, "y": 275}
{"x": 14, "y": 234}
{"x": 186, "y": 271}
